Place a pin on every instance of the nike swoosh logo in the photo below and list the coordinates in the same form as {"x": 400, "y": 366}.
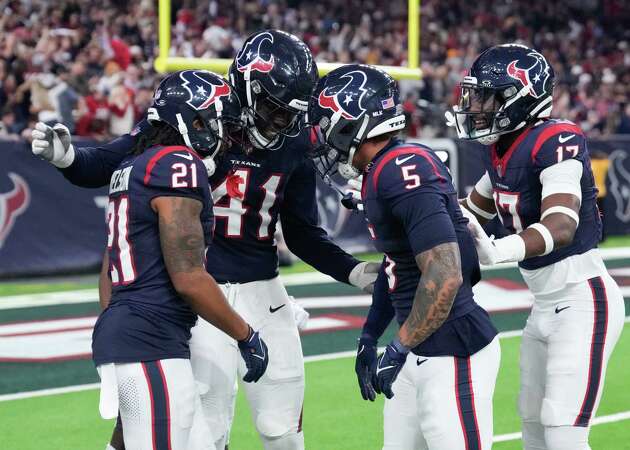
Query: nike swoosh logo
{"x": 418, "y": 362}
{"x": 273, "y": 310}
{"x": 403, "y": 160}
{"x": 563, "y": 139}
{"x": 184, "y": 155}
{"x": 561, "y": 309}
{"x": 380, "y": 369}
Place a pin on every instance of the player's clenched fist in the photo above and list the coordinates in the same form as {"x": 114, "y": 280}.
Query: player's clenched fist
{"x": 254, "y": 352}
{"x": 53, "y": 144}
{"x": 365, "y": 367}
{"x": 389, "y": 365}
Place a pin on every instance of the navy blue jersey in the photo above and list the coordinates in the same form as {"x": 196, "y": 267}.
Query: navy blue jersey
{"x": 412, "y": 206}
{"x": 252, "y": 193}
{"x": 146, "y": 319}
{"x": 515, "y": 177}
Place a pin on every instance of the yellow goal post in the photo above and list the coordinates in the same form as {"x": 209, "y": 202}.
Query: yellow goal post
{"x": 166, "y": 63}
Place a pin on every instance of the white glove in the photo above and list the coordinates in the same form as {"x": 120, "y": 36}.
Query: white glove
{"x": 493, "y": 251}
{"x": 53, "y": 144}
{"x": 299, "y": 314}
{"x": 364, "y": 276}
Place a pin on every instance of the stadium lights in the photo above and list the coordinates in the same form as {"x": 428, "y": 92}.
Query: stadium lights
{"x": 166, "y": 63}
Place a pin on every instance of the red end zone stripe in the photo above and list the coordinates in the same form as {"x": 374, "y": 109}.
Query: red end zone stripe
{"x": 551, "y": 131}
{"x": 165, "y": 151}
{"x": 401, "y": 151}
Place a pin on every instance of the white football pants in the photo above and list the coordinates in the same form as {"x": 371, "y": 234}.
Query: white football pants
{"x": 443, "y": 402}
{"x": 569, "y": 337}
{"x": 158, "y": 402}
{"x": 276, "y": 399}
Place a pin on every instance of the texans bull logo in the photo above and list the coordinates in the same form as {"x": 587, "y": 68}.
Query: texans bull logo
{"x": 534, "y": 76}
{"x": 249, "y": 58}
{"x": 346, "y": 100}
{"x": 203, "y": 92}
{"x": 12, "y": 204}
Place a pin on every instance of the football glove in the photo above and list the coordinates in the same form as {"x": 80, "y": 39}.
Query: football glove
{"x": 363, "y": 276}
{"x": 389, "y": 364}
{"x": 365, "y": 367}
{"x": 53, "y": 144}
{"x": 254, "y": 352}
{"x": 352, "y": 198}
{"x": 492, "y": 251}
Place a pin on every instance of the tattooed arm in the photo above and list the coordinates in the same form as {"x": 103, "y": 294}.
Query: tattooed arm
{"x": 182, "y": 241}
{"x": 439, "y": 283}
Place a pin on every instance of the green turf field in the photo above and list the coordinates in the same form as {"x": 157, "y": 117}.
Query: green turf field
{"x": 335, "y": 416}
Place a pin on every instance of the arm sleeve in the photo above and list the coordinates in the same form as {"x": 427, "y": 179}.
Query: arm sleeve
{"x": 93, "y": 166}
{"x": 302, "y": 235}
{"x": 484, "y": 186}
{"x": 562, "y": 178}
{"x": 381, "y": 311}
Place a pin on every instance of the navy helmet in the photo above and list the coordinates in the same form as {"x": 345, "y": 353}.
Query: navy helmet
{"x": 508, "y": 87}
{"x": 352, "y": 103}
{"x": 274, "y": 74}
{"x": 201, "y": 105}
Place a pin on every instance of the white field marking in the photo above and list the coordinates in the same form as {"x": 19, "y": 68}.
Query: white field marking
{"x": 296, "y": 279}
{"x": 617, "y": 417}
{"x": 307, "y": 359}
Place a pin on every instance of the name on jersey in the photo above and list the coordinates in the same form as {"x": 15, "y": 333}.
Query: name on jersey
{"x": 245, "y": 163}
{"x": 120, "y": 180}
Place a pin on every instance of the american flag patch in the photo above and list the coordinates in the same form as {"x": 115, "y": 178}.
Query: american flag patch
{"x": 387, "y": 103}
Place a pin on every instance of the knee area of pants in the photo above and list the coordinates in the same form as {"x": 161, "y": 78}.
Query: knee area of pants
{"x": 272, "y": 426}
{"x": 553, "y": 414}
{"x": 566, "y": 438}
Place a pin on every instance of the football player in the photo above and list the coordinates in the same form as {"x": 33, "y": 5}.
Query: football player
{"x": 160, "y": 221}
{"x": 439, "y": 373}
{"x": 267, "y": 178}
{"x": 538, "y": 180}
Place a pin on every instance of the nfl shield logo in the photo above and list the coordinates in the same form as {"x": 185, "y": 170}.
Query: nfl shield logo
{"x": 500, "y": 171}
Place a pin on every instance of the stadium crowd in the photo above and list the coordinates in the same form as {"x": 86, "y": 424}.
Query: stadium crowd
{"x": 90, "y": 65}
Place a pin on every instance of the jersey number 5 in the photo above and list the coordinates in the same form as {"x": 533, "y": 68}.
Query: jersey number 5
{"x": 118, "y": 242}
{"x": 412, "y": 179}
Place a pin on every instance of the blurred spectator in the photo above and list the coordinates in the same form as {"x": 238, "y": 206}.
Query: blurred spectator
{"x": 93, "y": 62}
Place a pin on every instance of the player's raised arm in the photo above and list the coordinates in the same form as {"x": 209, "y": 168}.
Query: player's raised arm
{"x": 183, "y": 245}
{"x": 88, "y": 166}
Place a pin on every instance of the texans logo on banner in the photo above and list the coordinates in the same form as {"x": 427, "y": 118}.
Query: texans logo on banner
{"x": 533, "y": 76}
{"x": 203, "y": 92}
{"x": 345, "y": 99}
{"x": 249, "y": 58}
{"x": 12, "y": 204}
{"x": 619, "y": 176}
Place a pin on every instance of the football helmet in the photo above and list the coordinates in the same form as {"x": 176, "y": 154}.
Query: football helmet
{"x": 202, "y": 106}
{"x": 508, "y": 87}
{"x": 274, "y": 74}
{"x": 352, "y": 103}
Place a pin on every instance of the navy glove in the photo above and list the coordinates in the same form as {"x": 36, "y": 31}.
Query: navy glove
{"x": 365, "y": 367}
{"x": 254, "y": 352}
{"x": 389, "y": 365}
